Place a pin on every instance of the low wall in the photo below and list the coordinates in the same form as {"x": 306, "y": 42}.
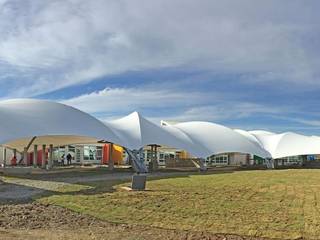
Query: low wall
{"x": 187, "y": 162}
{"x": 16, "y": 171}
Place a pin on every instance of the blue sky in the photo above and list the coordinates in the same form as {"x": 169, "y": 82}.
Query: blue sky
{"x": 245, "y": 64}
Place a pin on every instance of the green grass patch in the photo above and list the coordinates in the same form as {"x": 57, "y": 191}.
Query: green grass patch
{"x": 276, "y": 204}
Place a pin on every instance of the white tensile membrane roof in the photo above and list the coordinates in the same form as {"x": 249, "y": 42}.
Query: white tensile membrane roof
{"x": 214, "y": 139}
{"x": 134, "y": 132}
{"x": 284, "y": 144}
{"x": 201, "y": 139}
{"x": 51, "y": 123}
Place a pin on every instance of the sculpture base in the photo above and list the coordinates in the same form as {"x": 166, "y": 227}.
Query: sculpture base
{"x": 139, "y": 182}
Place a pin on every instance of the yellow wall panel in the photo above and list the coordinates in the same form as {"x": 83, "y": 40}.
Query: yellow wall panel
{"x": 117, "y": 154}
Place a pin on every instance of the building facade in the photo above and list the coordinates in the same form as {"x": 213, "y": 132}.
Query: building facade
{"x": 81, "y": 154}
{"x": 232, "y": 159}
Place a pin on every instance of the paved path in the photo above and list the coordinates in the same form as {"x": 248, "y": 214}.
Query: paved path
{"x": 18, "y": 189}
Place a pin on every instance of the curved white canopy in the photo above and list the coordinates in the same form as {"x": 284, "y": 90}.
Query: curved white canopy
{"x": 53, "y": 123}
{"x": 292, "y": 144}
{"x": 249, "y": 136}
{"x": 22, "y": 119}
{"x": 215, "y": 139}
{"x": 134, "y": 132}
{"x": 201, "y": 139}
{"x": 285, "y": 144}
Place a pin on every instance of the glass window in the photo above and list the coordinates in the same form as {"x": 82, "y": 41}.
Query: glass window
{"x": 99, "y": 153}
{"x": 78, "y": 154}
{"x": 91, "y": 153}
{"x": 219, "y": 159}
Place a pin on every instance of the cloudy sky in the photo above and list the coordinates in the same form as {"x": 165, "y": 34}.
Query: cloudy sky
{"x": 243, "y": 63}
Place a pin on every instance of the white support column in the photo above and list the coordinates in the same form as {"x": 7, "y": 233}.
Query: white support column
{"x": 81, "y": 148}
{"x": 155, "y": 162}
{"x": 35, "y": 155}
{"x": 272, "y": 163}
{"x": 43, "y": 154}
{"x": 50, "y": 160}
{"x": 66, "y": 149}
{"x": 25, "y": 156}
{"x": 4, "y": 156}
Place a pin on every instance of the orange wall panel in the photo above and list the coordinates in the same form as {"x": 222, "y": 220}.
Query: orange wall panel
{"x": 117, "y": 154}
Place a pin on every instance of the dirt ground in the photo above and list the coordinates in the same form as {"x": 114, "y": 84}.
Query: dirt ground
{"x": 36, "y": 221}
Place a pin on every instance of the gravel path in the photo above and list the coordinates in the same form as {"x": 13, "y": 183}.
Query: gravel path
{"x": 12, "y": 192}
{"x": 22, "y": 189}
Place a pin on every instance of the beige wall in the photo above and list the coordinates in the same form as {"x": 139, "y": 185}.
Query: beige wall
{"x": 238, "y": 158}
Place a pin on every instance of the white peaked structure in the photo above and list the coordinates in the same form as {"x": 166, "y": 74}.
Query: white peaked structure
{"x": 214, "y": 139}
{"x": 26, "y": 122}
{"x": 284, "y": 144}
{"x": 201, "y": 139}
{"x": 134, "y": 132}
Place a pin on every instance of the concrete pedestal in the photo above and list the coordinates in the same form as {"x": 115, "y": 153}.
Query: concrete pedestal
{"x": 139, "y": 182}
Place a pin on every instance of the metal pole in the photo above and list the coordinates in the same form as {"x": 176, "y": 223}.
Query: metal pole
{"x": 150, "y": 165}
{"x": 4, "y": 156}
{"x": 25, "y": 156}
{"x": 81, "y": 148}
{"x": 35, "y": 155}
{"x": 43, "y": 162}
{"x": 110, "y": 162}
{"x": 50, "y": 161}
{"x": 155, "y": 163}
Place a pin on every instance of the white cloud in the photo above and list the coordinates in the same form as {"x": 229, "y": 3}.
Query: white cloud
{"x": 304, "y": 121}
{"x": 50, "y": 44}
{"x": 125, "y": 100}
{"x": 173, "y": 105}
{"x": 178, "y": 105}
{"x": 225, "y": 110}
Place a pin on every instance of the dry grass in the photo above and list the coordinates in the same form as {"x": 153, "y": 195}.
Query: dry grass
{"x": 274, "y": 204}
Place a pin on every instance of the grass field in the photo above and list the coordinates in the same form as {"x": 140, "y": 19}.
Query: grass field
{"x": 280, "y": 204}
